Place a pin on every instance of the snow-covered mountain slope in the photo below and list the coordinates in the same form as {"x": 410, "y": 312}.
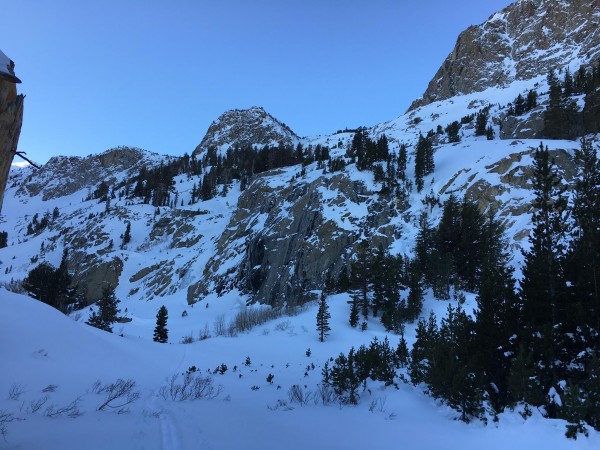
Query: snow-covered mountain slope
{"x": 54, "y": 402}
{"x": 280, "y": 237}
{"x": 523, "y": 41}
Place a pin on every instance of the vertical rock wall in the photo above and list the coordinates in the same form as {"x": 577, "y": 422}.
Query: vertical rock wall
{"x": 11, "y": 117}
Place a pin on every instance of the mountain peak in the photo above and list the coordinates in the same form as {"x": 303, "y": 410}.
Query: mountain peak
{"x": 524, "y": 40}
{"x": 252, "y": 126}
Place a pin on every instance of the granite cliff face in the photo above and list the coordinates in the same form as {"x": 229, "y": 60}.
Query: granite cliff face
{"x": 253, "y": 126}
{"x": 285, "y": 238}
{"x": 521, "y": 42}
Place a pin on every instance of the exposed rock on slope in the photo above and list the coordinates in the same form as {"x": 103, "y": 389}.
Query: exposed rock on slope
{"x": 523, "y": 41}
{"x": 285, "y": 237}
{"x": 253, "y": 126}
{"x": 65, "y": 175}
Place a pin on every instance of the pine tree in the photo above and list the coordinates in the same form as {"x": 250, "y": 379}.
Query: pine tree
{"x": 583, "y": 267}
{"x": 126, "y": 235}
{"x": 39, "y": 283}
{"x": 402, "y": 160}
{"x": 424, "y": 164}
{"x": 354, "y": 311}
{"x": 108, "y": 311}
{"x": 561, "y": 116}
{"x": 65, "y": 293}
{"x": 542, "y": 264}
{"x": 161, "y": 333}
{"x": 497, "y": 314}
{"x": 452, "y": 131}
{"x": 543, "y": 284}
{"x": 481, "y": 122}
{"x": 323, "y": 317}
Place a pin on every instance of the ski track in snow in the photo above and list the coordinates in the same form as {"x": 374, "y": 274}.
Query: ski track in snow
{"x": 168, "y": 431}
{"x": 169, "y": 434}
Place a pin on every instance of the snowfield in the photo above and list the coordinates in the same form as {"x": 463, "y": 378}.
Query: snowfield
{"x": 43, "y": 350}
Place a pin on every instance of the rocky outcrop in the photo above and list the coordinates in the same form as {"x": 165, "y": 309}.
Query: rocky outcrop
{"x": 11, "y": 118}
{"x": 530, "y": 126}
{"x": 253, "y": 126}
{"x": 285, "y": 239}
{"x": 523, "y": 41}
{"x": 65, "y": 175}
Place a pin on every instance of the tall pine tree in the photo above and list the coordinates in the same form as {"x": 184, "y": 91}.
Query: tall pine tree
{"x": 323, "y": 317}
{"x": 161, "y": 333}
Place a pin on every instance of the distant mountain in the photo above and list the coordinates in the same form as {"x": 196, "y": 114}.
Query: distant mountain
{"x": 523, "y": 41}
{"x": 253, "y": 126}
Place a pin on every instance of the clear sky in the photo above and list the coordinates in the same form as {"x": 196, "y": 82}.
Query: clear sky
{"x": 154, "y": 74}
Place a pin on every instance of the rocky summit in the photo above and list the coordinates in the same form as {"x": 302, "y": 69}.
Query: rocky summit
{"x": 523, "y": 41}
{"x": 242, "y": 127}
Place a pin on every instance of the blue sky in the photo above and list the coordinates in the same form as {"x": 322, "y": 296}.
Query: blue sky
{"x": 154, "y": 74}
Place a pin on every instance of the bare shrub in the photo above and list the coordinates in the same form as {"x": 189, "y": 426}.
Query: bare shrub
{"x": 187, "y": 339}
{"x": 119, "y": 394}
{"x": 204, "y": 333}
{"x": 219, "y": 325}
{"x": 231, "y": 330}
{"x": 283, "y": 326}
{"x": 5, "y": 419}
{"x": 50, "y": 388}
{"x": 297, "y": 395}
{"x": 378, "y": 404}
{"x": 248, "y": 318}
{"x": 193, "y": 386}
{"x": 96, "y": 387}
{"x": 15, "y": 391}
{"x": 325, "y": 394}
{"x": 36, "y": 405}
{"x": 280, "y": 405}
{"x": 15, "y": 286}
{"x": 69, "y": 410}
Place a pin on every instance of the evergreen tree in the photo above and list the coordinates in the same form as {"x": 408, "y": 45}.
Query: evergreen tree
{"x": 64, "y": 291}
{"x": 542, "y": 287}
{"x": 582, "y": 262}
{"x": 452, "y": 132}
{"x": 531, "y": 101}
{"x": 126, "y": 235}
{"x": 161, "y": 333}
{"x": 39, "y": 283}
{"x": 52, "y": 286}
{"x": 481, "y": 122}
{"x": 3, "y": 239}
{"x": 497, "y": 314}
{"x": 107, "y": 312}
{"x": 354, "y": 311}
{"x": 424, "y": 164}
{"x": 519, "y": 105}
{"x": 323, "y": 317}
{"x": 402, "y": 160}
{"x": 361, "y": 278}
{"x": 561, "y": 117}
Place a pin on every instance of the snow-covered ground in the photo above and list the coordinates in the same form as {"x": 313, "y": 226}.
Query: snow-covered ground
{"x": 42, "y": 350}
